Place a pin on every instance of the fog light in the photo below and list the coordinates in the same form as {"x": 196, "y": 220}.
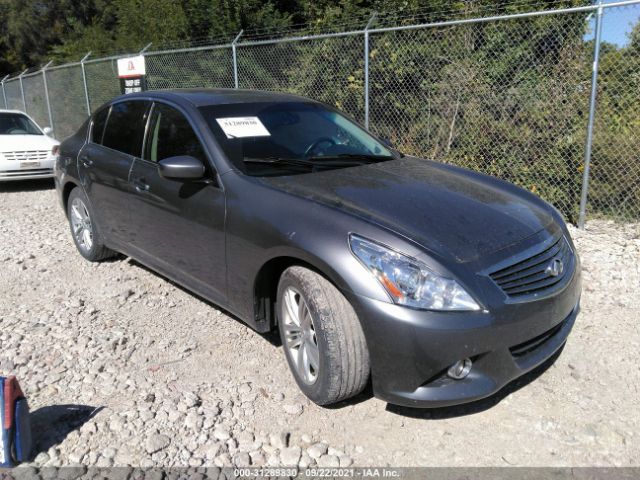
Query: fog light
{"x": 460, "y": 369}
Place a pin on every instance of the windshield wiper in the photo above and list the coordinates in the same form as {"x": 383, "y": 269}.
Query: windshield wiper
{"x": 360, "y": 158}
{"x": 280, "y": 161}
{"x": 333, "y": 161}
{"x": 321, "y": 162}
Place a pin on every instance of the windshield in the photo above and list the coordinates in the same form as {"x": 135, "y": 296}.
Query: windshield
{"x": 284, "y": 138}
{"x": 17, "y": 124}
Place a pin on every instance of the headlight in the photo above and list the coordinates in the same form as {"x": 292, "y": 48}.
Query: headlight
{"x": 408, "y": 281}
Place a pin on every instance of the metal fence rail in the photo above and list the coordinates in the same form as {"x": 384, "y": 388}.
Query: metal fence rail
{"x": 538, "y": 99}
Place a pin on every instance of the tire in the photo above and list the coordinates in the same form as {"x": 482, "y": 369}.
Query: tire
{"x": 86, "y": 237}
{"x": 332, "y": 326}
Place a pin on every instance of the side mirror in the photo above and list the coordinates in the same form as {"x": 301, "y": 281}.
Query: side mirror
{"x": 47, "y": 131}
{"x": 183, "y": 167}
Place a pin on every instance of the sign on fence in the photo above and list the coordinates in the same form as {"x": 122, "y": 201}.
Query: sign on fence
{"x": 132, "y": 71}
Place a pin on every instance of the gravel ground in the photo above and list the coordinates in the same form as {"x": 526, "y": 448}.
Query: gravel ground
{"x": 121, "y": 367}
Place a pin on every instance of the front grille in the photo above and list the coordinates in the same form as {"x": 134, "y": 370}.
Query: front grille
{"x": 529, "y": 346}
{"x": 534, "y": 274}
{"x": 34, "y": 155}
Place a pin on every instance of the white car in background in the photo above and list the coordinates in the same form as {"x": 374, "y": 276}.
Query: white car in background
{"x": 26, "y": 150}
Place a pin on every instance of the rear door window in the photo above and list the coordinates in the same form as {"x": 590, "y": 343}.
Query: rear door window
{"x": 99, "y": 121}
{"x": 125, "y": 127}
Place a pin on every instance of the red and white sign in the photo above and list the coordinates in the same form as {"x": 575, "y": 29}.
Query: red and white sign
{"x": 131, "y": 67}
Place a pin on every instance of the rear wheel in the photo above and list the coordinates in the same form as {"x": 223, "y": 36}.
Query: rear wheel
{"x": 321, "y": 336}
{"x": 84, "y": 231}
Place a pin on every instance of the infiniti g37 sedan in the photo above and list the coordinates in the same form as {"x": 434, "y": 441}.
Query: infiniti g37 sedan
{"x": 26, "y": 150}
{"x": 437, "y": 284}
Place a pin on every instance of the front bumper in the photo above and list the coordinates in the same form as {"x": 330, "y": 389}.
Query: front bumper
{"x": 12, "y": 170}
{"x": 411, "y": 350}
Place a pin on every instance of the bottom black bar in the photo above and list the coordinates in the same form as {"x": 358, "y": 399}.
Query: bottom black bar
{"x": 417, "y": 473}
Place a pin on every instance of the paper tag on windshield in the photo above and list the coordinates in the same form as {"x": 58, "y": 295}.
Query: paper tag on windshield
{"x": 239, "y": 127}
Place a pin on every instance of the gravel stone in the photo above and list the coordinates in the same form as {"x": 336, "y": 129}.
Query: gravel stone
{"x": 191, "y": 400}
{"x": 293, "y": 409}
{"x": 329, "y": 461}
{"x": 221, "y": 434}
{"x": 305, "y": 460}
{"x": 75, "y": 456}
{"x": 290, "y": 456}
{"x": 157, "y": 442}
{"x": 315, "y": 451}
{"x": 193, "y": 420}
{"x": 109, "y": 452}
{"x": 345, "y": 461}
{"x": 223, "y": 460}
{"x": 242, "y": 459}
{"x": 104, "y": 462}
{"x": 245, "y": 438}
{"x": 211, "y": 451}
{"x": 257, "y": 458}
{"x": 279, "y": 440}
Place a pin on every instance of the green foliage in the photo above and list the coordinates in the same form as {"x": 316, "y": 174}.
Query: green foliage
{"x": 144, "y": 21}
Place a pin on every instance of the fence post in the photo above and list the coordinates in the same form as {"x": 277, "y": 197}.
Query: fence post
{"x": 366, "y": 70}
{"x": 24, "y": 101}
{"x": 592, "y": 111}
{"x": 84, "y": 81}
{"x": 46, "y": 94}
{"x": 235, "y": 58}
{"x": 146, "y": 47}
{"x": 141, "y": 52}
{"x": 4, "y": 93}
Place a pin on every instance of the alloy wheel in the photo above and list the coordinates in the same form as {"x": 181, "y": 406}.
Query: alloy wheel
{"x": 81, "y": 224}
{"x": 300, "y": 336}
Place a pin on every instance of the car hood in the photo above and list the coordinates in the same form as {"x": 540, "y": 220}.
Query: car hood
{"x": 453, "y": 212}
{"x": 13, "y": 143}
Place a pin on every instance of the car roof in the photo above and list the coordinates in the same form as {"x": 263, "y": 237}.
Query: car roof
{"x": 201, "y": 97}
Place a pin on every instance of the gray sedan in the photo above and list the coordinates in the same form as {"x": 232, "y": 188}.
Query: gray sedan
{"x": 437, "y": 284}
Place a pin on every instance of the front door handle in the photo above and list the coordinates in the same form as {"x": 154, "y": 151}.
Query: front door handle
{"x": 141, "y": 185}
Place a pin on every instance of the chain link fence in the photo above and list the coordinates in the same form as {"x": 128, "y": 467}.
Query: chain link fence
{"x": 508, "y": 98}
{"x": 13, "y": 94}
{"x": 67, "y": 98}
{"x": 102, "y": 81}
{"x": 191, "y": 68}
{"x": 511, "y": 96}
{"x": 328, "y": 69}
{"x": 35, "y": 98}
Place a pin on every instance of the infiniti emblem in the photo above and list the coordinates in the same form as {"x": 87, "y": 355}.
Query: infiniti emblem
{"x": 555, "y": 268}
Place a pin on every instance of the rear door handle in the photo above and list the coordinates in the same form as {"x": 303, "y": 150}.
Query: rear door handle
{"x": 86, "y": 161}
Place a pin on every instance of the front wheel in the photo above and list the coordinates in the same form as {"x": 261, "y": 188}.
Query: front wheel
{"x": 321, "y": 336}
{"x": 84, "y": 231}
